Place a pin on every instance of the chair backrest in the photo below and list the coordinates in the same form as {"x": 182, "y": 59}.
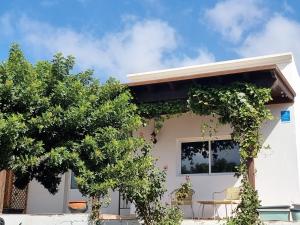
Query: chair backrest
{"x": 232, "y": 193}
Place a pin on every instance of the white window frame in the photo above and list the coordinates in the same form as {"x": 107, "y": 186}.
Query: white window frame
{"x": 179, "y": 141}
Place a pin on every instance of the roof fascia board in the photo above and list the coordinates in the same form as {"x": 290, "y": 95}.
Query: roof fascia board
{"x": 203, "y": 75}
{"x": 284, "y": 81}
{"x": 225, "y": 67}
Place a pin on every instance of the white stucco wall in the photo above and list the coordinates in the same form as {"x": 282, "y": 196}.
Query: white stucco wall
{"x": 277, "y": 176}
{"x": 40, "y": 201}
{"x": 167, "y": 150}
{"x": 278, "y": 170}
{"x": 112, "y": 208}
{"x": 290, "y": 72}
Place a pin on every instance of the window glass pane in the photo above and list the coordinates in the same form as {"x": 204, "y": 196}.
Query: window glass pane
{"x": 194, "y": 157}
{"x": 225, "y": 156}
{"x": 73, "y": 182}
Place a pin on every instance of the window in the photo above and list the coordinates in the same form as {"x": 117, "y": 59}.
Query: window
{"x": 194, "y": 157}
{"x": 225, "y": 156}
{"x": 216, "y": 156}
{"x": 73, "y": 182}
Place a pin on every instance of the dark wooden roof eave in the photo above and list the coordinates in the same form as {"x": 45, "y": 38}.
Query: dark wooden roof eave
{"x": 283, "y": 83}
{"x": 202, "y": 75}
{"x": 177, "y": 88}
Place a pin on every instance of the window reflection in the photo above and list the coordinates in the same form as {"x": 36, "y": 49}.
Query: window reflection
{"x": 221, "y": 155}
{"x": 225, "y": 156}
{"x": 194, "y": 157}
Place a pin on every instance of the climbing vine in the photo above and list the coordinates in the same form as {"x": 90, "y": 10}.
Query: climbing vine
{"x": 160, "y": 111}
{"x": 241, "y": 105}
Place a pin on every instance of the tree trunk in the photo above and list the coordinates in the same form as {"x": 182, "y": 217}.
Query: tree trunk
{"x": 2, "y": 188}
{"x": 251, "y": 172}
{"x": 96, "y": 205}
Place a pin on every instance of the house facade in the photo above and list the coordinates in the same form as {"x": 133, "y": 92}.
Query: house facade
{"x": 211, "y": 167}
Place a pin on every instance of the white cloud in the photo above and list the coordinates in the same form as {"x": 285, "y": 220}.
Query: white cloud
{"x": 156, "y": 5}
{"x": 287, "y": 8}
{"x": 140, "y": 46}
{"x": 280, "y": 34}
{"x": 203, "y": 56}
{"x": 129, "y": 18}
{"x": 49, "y": 3}
{"x": 232, "y": 18}
{"x": 6, "y": 24}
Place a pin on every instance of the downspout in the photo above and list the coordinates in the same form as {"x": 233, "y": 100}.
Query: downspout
{"x": 66, "y": 191}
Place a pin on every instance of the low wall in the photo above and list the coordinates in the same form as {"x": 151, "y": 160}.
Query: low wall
{"x": 63, "y": 219}
{"x": 82, "y": 219}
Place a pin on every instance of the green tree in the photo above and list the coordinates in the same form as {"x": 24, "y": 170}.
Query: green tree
{"x": 52, "y": 121}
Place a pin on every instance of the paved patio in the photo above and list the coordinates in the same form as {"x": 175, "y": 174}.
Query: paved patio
{"x": 82, "y": 219}
{"x": 214, "y": 222}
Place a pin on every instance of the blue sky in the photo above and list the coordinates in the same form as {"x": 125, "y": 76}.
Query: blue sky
{"x": 117, "y": 37}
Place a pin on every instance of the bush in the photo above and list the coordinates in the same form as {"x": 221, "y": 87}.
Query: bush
{"x": 145, "y": 188}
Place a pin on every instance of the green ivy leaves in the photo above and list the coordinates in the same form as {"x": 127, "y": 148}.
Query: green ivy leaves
{"x": 241, "y": 105}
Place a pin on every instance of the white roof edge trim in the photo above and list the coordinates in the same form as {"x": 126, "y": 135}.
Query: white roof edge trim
{"x": 221, "y": 66}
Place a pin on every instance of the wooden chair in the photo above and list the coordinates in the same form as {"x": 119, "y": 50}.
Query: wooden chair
{"x": 186, "y": 201}
{"x": 232, "y": 196}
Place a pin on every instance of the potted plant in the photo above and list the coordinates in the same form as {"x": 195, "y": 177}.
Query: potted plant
{"x": 78, "y": 206}
{"x": 184, "y": 192}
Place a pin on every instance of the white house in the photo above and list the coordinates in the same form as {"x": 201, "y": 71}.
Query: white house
{"x": 277, "y": 177}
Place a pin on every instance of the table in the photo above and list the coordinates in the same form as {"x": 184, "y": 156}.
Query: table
{"x": 214, "y": 203}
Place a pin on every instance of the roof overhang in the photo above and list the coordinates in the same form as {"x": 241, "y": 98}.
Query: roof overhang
{"x": 174, "y": 84}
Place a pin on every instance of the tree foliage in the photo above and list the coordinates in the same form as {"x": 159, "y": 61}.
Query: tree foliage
{"x": 52, "y": 121}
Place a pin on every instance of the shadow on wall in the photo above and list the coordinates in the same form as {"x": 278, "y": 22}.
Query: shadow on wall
{"x": 186, "y": 129}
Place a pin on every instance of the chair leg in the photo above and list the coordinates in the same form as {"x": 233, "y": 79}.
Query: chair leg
{"x": 203, "y": 210}
{"x": 214, "y": 210}
{"x": 226, "y": 210}
{"x": 216, "y": 213}
{"x": 193, "y": 216}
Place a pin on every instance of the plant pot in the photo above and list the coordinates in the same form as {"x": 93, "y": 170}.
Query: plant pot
{"x": 78, "y": 206}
